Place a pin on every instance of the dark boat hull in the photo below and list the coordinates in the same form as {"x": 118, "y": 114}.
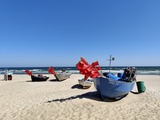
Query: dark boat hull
{"x": 38, "y": 78}
{"x": 109, "y": 88}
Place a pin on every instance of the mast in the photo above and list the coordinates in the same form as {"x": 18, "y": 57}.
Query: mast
{"x": 110, "y": 60}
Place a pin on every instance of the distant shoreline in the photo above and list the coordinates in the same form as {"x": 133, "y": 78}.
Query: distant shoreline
{"x": 141, "y": 70}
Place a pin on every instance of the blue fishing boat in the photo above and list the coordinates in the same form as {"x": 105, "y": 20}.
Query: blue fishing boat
{"x": 110, "y": 88}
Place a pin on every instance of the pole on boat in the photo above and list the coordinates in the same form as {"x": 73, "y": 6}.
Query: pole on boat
{"x": 110, "y": 60}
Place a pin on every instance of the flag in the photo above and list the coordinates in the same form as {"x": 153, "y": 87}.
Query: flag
{"x": 51, "y": 70}
{"x": 94, "y": 64}
{"x": 28, "y": 72}
{"x": 84, "y": 61}
{"x": 88, "y": 70}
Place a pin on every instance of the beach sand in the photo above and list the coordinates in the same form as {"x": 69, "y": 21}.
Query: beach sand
{"x": 22, "y": 99}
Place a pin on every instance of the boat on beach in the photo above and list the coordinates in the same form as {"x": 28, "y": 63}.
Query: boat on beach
{"x": 85, "y": 83}
{"x": 108, "y": 87}
{"x": 36, "y": 78}
{"x": 60, "y": 76}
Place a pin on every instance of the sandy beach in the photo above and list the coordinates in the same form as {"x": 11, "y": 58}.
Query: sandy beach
{"x": 22, "y": 99}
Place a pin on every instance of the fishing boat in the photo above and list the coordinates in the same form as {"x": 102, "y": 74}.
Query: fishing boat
{"x": 110, "y": 88}
{"x": 60, "y": 76}
{"x": 85, "y": 83}
{"x": 38, "y": 78}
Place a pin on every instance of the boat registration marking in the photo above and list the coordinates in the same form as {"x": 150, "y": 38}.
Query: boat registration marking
{"x": 113, "y": 82}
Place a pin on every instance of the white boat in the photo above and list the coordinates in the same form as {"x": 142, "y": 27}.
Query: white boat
{"x": 59, "y": 75}
{"x": 85, "y": 83}
{"x": 62, "y": 76}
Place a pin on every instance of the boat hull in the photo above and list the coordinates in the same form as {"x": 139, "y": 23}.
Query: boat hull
{"x": 38, "y": 78}
{"x": 62, "y": 76}
{"x": 109, "y": 88}
{"x": 85, "y": 83}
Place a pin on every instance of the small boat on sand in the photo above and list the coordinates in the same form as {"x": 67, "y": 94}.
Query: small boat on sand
{"x": 36, "y": 78}
{"x": 85, "y": 83}
{"x": 60, "y": 76}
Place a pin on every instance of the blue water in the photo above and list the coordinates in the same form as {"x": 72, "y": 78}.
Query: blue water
{"x": 141, "y": 70}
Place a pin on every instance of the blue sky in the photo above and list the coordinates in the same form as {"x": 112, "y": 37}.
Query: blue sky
{"x": 59, "y": 32}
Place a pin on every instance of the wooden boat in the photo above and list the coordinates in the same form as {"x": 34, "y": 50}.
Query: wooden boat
{"x": 38, "y": 78}
{"x": 85, "y": 83}
{"x": 60, "y": 76}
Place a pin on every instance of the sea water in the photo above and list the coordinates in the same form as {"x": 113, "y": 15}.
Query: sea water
{"x": 141, "y": 70}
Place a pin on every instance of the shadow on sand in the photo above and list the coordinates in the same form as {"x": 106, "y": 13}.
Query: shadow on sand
{"x": 89, "y": 95}
{"x": 51, "y": 80}
{"x": 28, "y": 81}
{"x": 77, "y": 86}
{"x": 34, "y": 81}
{"x": 134, "y": 92}
{"x": 54, "y": 80}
